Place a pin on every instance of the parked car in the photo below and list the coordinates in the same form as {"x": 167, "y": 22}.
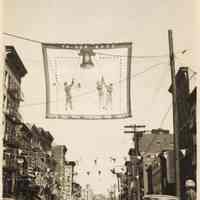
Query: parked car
{"x": 159, "y": 197}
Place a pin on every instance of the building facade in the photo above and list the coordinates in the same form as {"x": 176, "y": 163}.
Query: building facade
{"x": 37, "y": 168}
{"x": 68, "y": 185}
{"x": 87, "y": 193}
{"x": 76, "y": 191}
{"x": 160, "y": 174}
{"x": 193, "y": 130}
{"x": 59, "y": 152}
{"x": 152, "y": 147}
{"x": 186, "y": 108}
{"x": 136, "y": 177}
{"x": 14, "y": 71}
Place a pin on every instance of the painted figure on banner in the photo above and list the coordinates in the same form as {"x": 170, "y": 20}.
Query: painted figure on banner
{"x": 100, "y": 90}
{"x": 109, "y": 91}
{"x": 68, "y": 95}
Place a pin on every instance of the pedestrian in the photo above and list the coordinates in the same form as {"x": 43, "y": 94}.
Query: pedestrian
{"x": 190, "y": 190}
{"x": 109, "y": 91}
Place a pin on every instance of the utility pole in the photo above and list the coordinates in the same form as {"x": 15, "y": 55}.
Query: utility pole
{"x": 114, "y": 192}
{"x": 87, "y": 188}
{"x": 136, "y": 137}
{"x": 119, "y": 186}
{"x": 175, "y": 113}
{"x": 119, "y": 176}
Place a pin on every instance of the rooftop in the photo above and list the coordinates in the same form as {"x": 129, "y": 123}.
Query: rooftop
{"x": 155, "y": 143}
{"x": 14, "y": 62}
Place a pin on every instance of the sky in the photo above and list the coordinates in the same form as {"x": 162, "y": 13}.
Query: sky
{"x": 145, "y": 24}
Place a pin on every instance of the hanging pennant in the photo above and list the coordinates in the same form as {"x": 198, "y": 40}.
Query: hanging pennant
{"x": 113, "y": 159}
{"x": 100, "y": 92}
{"x": 95, "y": 161}
{"x": 113, "y": 171}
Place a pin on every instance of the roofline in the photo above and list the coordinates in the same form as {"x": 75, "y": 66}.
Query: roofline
{"x": 11, "y": 51}
{"x": 177, "y": 78}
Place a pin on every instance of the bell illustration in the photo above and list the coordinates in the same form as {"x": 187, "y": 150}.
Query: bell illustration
{"x": 86, "y": 54}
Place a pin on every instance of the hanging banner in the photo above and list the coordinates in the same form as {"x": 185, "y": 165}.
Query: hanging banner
{"x": 88, "y": 81}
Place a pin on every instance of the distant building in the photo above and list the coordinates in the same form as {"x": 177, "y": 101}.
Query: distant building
{"x": 159, "y": 174}
{"x": 68, "y": 185}
{"x": 151, "y": 146}
{"x": 128, "y": 189}
{"x": 58, "y": 153}
{"x": 87, "y": 193}
{"x": 155, "y": 141}
{"x": 99, "y": 197}
{"x": 76, "y": 191}
{"x": 147, "y": 173}
{"x": 38, "y": 167}
{"x": 14, "y": 71}
{"x": 156, "y": 176}
{"x": 136, "y": 175}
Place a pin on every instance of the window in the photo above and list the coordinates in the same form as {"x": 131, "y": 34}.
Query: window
{"x": 5, "y": 77}
{"x": 8, "y": 81}
{"x": 8, "y": 103}
{"x": 68, "y": 178}
{"x": 4, "y": 101}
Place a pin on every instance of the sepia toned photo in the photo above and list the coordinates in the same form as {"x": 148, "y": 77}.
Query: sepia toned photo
{"x": 98, "y": 100}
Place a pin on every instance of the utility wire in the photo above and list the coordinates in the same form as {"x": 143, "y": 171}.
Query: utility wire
{"x": 165, "y": 115}
{"x": 161, "y": 124}
{"x": 92, "y": 91}
{"x": 170, "y": 106}
{"x": 183, "y": 64}
{"x": 22, "y": 38}
{"x": 159, "y": 86}
{"x": 117, "y": 55}
{"x": 164, "y": 118}
{"x": 40, "y": 42}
